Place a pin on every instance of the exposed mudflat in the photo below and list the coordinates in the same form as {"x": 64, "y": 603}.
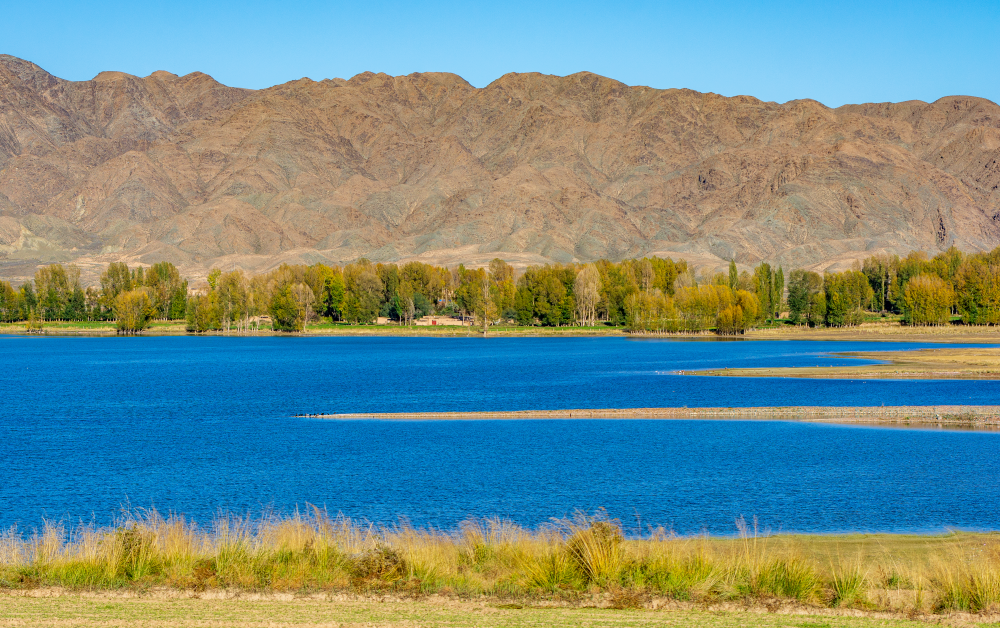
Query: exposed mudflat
{"x": 944, "y": 363}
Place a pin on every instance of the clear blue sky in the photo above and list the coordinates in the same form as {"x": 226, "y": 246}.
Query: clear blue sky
{"x": 834, "y": 52}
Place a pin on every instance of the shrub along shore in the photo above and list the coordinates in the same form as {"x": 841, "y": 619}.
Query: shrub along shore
{"x": 569, "y": 562}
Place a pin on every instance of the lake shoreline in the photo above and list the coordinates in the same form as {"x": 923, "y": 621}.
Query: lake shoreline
{"x": 866, "y": 332}
{"x": 917, "y": 416}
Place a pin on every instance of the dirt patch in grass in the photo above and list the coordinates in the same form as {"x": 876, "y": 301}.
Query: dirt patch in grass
{"x": 172, "y": 609}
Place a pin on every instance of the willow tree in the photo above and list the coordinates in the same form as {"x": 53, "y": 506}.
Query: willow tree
{"x": 587, "y": 290}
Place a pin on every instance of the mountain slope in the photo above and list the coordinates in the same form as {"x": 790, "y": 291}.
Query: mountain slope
{"x": 530, "y": 168}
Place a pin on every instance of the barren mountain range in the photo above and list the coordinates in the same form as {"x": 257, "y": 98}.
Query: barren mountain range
{"x": 531, "y": 168}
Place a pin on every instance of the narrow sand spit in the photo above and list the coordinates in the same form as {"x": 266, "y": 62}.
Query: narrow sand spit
{"x": 974, "y": 416}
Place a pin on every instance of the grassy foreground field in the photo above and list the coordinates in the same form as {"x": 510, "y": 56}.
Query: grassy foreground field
{"x": 102, "y": 610}
{"x": 399, "y": 574}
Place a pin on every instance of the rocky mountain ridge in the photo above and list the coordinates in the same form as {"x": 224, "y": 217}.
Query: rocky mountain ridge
{"x": 531, "y": 168}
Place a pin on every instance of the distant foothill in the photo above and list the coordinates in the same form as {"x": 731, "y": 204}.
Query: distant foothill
{"x": 531, "y": 169}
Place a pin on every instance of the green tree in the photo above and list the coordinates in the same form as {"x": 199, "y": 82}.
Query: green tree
{"x": 422, "y": 305}
{"x": 10, "y": 303}
{"x": 114, "y": 280}
{"x": 806, "y": 299}
{"x": 666, "y": 272}
{"x": 284, "y": 310}
{"x": 847, "y": 293}
{"x": 331, "y": 299}
{"x": 333, "y": 296}
{"x": 29, "y": 302}
{"x": 233, "y": 298}
{"x": 617, "y": 283}
{"x": 203, "y": 313}
{"x": 54, "y": 286}
{"x": 213, "y": 278}
{"x": 76, "y": 306}
{"x": 469, "y": 297}
{"x": 550, "y": 290}
{"x": 880, "y": 271}
{"x": 502, "y": 285}
{"x": 977, "y": 286}
{"x": 364, "y": 291}
{"x": 763, "y": 281}
{"x": 167, "y": 290}
{"x": 778, "y": 292}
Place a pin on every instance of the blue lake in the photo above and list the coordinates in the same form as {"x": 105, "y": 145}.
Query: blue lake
{"x": 201, "y": 425}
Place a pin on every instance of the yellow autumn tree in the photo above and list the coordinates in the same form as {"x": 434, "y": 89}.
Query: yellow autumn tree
{"x": 739, "y": 315}
{"x": 133, "y": 310}
{"x": 927, "y": 300}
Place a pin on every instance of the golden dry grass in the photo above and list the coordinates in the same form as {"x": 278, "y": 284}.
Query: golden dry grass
{"x": 568, "y": 562}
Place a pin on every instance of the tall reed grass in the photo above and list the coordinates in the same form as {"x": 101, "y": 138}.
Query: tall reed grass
{"x": 568, "y": 559}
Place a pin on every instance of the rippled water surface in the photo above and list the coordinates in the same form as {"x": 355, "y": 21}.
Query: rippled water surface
{"x": 199, "y": 425}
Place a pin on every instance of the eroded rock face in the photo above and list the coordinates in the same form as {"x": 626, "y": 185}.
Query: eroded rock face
{"x": 531, "y": 168}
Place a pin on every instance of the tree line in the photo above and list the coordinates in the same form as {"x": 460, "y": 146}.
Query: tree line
{"x": 132, "y": 297}
{"x": 648, "y": 295}
{"x": 923, "y": 290}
